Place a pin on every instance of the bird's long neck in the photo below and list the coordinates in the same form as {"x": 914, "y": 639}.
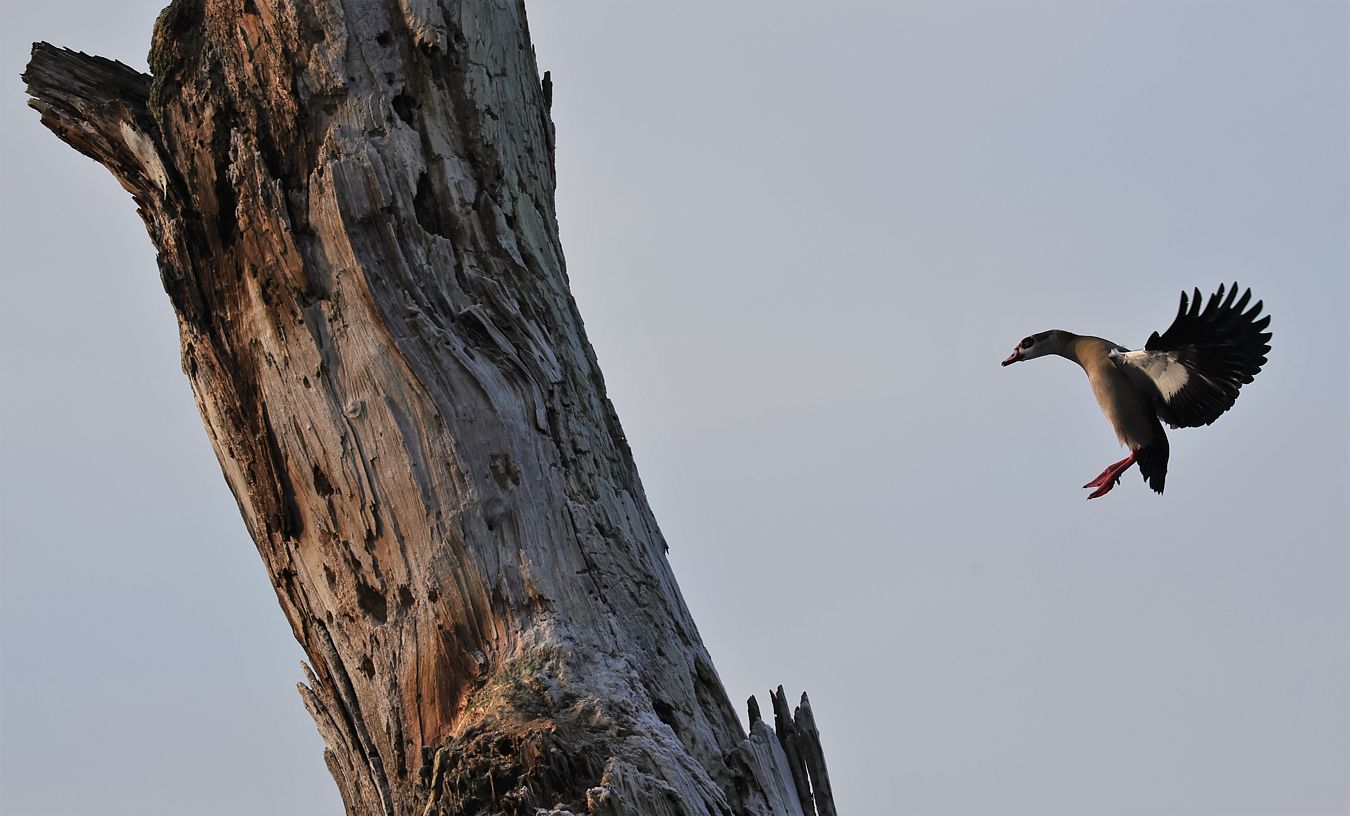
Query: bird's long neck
{"x": 1088, "y": 352}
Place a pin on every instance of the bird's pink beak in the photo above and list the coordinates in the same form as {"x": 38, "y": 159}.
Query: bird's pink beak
{"x": 1016, "y": 356}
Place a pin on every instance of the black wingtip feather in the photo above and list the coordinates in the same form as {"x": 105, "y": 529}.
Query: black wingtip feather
{"x": 1219, "y": 341}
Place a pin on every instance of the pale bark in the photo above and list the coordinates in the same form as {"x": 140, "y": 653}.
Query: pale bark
{"x": 353, "y": 206}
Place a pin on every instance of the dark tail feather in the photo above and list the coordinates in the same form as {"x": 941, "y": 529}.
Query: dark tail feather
{"x": 1152, "y": 458}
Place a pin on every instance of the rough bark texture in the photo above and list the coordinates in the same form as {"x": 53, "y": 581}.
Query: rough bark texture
{"x": 353, "y": 206}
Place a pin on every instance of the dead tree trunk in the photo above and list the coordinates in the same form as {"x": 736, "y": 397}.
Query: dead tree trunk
{"x": 353, "y": 206}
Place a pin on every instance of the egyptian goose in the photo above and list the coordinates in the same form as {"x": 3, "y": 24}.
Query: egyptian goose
{"x": 1187, "y": 376}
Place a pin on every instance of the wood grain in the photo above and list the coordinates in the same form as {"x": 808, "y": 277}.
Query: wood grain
{"x": 353, "y": 204}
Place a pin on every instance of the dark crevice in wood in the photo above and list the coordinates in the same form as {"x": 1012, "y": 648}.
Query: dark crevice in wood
{"x": 428, "y": 208}
{"x": 226, "y": 216}
{"x": 287, "y": 518}
{"x": 404, "y": 105}
{"x": 372, "y": 602}
{"x": 321, "y": 484}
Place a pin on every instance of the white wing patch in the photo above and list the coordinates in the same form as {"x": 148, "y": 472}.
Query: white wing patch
{"x": 1166, "y": 373}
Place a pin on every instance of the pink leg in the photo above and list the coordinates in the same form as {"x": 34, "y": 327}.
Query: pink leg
{"x": 1110, "y": 477}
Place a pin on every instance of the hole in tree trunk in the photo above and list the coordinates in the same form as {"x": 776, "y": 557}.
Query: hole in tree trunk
{"x": 372, "y": 602}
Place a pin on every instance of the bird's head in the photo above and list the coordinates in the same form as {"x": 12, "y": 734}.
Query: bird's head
{"x": 1039, "y": 345}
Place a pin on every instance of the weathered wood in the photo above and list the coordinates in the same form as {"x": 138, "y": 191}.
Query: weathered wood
{"x": 763, "y": 753}
{"x": 814, "y": 755}
{"x": 802, "y": 753}
{"x": 353, "y": 206}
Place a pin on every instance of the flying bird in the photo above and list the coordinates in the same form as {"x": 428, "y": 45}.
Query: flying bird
{"x": 1187, "y": 376}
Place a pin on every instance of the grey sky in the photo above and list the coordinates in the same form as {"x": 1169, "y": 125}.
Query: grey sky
{"x": 802, "y": 237}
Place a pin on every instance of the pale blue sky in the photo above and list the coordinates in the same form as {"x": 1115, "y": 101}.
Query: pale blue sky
{"x": 802, "y": 240}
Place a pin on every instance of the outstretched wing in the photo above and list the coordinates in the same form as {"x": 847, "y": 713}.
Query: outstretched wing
{"x": 1195, "y": 368}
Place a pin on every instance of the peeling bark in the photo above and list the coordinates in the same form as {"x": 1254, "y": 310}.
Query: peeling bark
{"x": 352, "y": 202}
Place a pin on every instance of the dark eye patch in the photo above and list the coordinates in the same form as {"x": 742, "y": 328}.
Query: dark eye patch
{"x": 1027, "y": 342}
